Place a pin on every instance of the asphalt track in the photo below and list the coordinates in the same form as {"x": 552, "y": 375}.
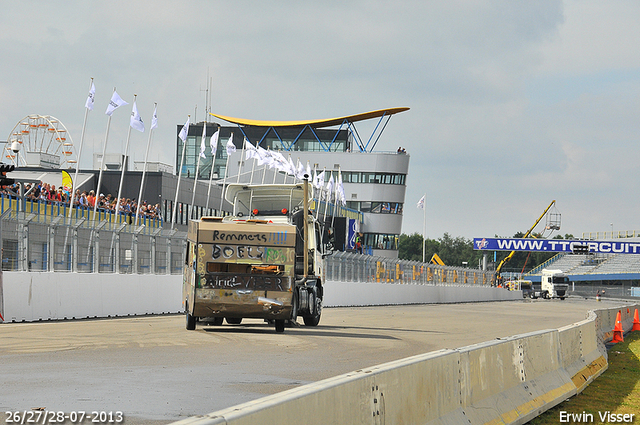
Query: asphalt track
{"x": 156, "y": 372}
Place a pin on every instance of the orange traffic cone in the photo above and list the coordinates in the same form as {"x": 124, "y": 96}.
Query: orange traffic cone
{"x": 617, "y": 330}
{"x": 636, "y": 322}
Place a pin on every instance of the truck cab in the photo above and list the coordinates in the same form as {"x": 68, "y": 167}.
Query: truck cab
{"x": 554, "y": 284}
{"x": 263, "y": 261}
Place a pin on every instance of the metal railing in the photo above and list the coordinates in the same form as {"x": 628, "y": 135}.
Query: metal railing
{"x": 352, "y": 267}
{"x": 48, "y": 243}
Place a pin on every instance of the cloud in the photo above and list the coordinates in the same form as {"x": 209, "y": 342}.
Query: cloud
{"x": 512, "y": 103}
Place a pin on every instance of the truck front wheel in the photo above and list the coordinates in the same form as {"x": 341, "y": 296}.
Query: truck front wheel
{"x": 279, "y": 326}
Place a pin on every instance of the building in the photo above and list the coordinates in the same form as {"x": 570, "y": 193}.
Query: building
{"x": 374, "y": 181}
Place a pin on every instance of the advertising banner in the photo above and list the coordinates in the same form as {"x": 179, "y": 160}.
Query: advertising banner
{"x": 352, "y": 231}
{"x": 555, "y": 245}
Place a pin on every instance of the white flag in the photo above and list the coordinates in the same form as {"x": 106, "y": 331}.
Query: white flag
{"x": 202, "y": 145}
{"x": 308, "y": 172}
{"x": 340, "y": 189}
{"x": 136, "y": 119}
{"x": 185, "y": 131}
{"x": 91, "y": 97}
{"x": 280, "y": 162}
{"x": 250, "y": 150}
{"x": 154, "y": 119}
{"x": 213, "y": 142}
{"x": 292, "y": 167}
{"x": 115, "y": 102}
{"x": 330, "y": 186}
{"x": 421, "y": 202}
{"x": 300, "y": 171}
{"x": 319, "y": 181}
{"x": 231, "y": 148}
{"x": 264, "y": 156}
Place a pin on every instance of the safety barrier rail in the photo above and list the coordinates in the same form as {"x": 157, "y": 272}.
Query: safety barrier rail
{"x": 56, "y": 243}
{"x": 54, "y": 209}
{"x": 353, "y": 267}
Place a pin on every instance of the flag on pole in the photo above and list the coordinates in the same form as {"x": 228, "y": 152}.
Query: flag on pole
{"x": 319, "y": 180}
{"x": 91, "y": 97}
{"x": 136, "y": 119}
{"x": 115, "y": 102}
{"x": 300, "y": 171}
{"x": 250, "y": 151}
{"x": 213, "y": 142}
{"x": 67, "y": 181}
{"x": 421, "y": 202}
{"x": 231, "y": 148}
{"x": 340, "y": 189}
{"x": 330, "y": 186}
{"x": 154, "y": 119}
{"x": 202, "y": 145}
{"x": 185, "y": 131}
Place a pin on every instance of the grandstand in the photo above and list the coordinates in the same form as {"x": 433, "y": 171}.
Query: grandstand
{"x": 618, "y": 275}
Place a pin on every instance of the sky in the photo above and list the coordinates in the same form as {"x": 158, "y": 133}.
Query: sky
{"x": 512, "y": 104}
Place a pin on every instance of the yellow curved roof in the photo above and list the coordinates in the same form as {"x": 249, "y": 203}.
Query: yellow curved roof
{"x": 313, "y": 123}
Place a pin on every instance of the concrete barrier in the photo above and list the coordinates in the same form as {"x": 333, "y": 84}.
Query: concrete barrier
{"x": 34, "y": 296}
{"x": 50, "y": 296}
{"x": 348, "y": 294}
{"x": 507, "y": 381}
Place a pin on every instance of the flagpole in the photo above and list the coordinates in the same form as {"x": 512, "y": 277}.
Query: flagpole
{"x": 104, "y": 152}
{"x": 124, "y": 163}
{"x": 213, "y": 161}
{"x": 241, "y": 163}
{"x": 224, "y": 181}
{"x": 175, "y": 203}
{"x": 424, "y": 227}
{"x": 195, "y": 180}
{"x": 253, "y": 166}
{"x": 75, "y": 178}
{"x": 144, "y": 168}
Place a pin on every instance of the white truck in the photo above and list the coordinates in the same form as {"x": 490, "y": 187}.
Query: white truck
{"x": 554, "y": 284}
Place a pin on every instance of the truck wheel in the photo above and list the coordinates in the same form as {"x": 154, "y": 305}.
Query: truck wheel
{"x": 279, "y": 326}
{"x": 191, "y": 320}
{"x": 314, "y": 318}
{"x": 233, "y": 320}
{"x": 217, "y": 321}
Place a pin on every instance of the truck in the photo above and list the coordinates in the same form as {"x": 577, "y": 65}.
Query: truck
{"x": 263, "y": 261}
{"x": 554, "y": 284}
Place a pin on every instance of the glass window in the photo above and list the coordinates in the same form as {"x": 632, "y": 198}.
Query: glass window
{"x": 365, "y": 206}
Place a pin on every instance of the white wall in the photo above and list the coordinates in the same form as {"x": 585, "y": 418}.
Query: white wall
{"x": 29, "y": 296}
{"x": 42, "y": 296}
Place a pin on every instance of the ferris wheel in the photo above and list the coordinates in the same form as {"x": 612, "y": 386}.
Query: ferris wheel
{"x": 39, "y": 134}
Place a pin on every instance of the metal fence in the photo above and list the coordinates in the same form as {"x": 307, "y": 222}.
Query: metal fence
{"x": 351, "y": 267}
{"x": 48, "y": 243}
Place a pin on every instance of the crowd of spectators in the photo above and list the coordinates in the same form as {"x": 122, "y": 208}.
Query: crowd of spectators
{"x": 48, "y": 193}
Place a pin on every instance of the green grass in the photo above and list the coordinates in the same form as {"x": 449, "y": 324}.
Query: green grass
{"x": 617, "y": 390}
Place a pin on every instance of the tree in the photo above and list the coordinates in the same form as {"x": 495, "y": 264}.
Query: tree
{"x": 456, "y": 251}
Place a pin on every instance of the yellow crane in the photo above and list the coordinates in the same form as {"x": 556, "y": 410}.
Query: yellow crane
{"x": 551, "y": 225}
{"x": 435, "y": 259}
